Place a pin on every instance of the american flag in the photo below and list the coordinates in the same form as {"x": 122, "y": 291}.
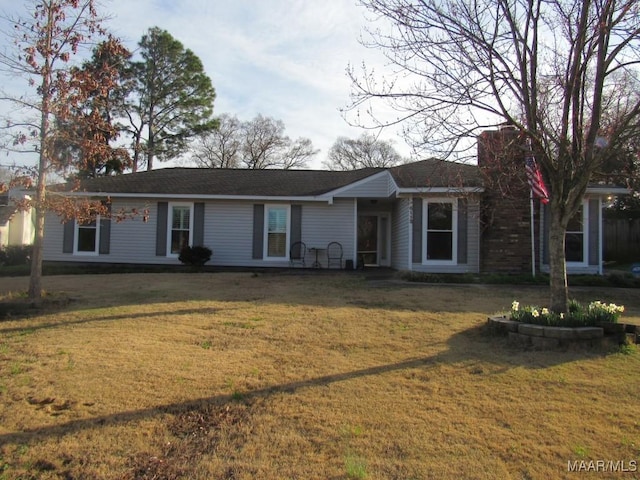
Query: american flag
{"x": 535, "y": 180}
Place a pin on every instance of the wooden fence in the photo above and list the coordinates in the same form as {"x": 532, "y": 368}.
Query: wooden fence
{"x": 621, "y": 239}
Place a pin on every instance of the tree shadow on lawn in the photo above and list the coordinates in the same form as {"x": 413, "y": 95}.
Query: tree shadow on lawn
{"x": 107, "y": 318}
{"x": 472, "y": 348}
{"x": 481, "y": 344}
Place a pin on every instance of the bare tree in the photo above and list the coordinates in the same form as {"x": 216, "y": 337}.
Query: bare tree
{"x": 45, "y": 42}
{"x": 259, "y": 143}
{"x": 362, "y": 152}
{"x": 221, "y": 147}
{"x": 550, "y": 68}
{"x": 296, "y": 154}
{"x": 266, "y": 146}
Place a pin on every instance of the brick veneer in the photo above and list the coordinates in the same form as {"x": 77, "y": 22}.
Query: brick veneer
{"x": 505, "y": 240}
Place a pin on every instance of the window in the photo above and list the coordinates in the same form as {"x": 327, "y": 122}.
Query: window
{"x": 87, "y": 235}
{"x": 440, "y": 219}
{"x": 180, "y": 227}
{"x": 277, "y": 231}
{"x": 574, "y": 239}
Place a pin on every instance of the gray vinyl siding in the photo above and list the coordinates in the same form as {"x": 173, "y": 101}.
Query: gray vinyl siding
{"x": 592, "y": 233}
{"x": 227, "y": 230}
{"x": 131, "y": 240}
{"x": 134, "y": 240}
{"x": 472, "y": 263}
{"x": 322, "y": 223}
{"x": 53, "y": 238}
{"x": 400, "y": 225}
{"x": 378, "y": 186}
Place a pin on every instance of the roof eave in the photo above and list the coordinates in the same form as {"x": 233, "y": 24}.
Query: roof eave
{"x": 195, "y": 196}
{"x": 607, "y": 190}
{"x": 446, "y": 190}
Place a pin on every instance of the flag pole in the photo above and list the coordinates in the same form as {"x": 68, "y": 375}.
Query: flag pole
{"x": 533, "y": 236}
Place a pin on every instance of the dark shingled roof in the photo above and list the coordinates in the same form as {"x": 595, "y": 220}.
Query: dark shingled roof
{"x": 287, "y": 183}
{"x": 436, "y": 173}
{"x": 216, "y": 181}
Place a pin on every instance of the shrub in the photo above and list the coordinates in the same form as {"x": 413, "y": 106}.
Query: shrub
{"x": 578, "y": 315}
{"x": 195, "y": 256}
{"x": 440, "y": 277}
{"x": 13, "y": 255}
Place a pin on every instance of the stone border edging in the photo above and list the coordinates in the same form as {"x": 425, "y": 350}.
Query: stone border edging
{"x": 542, "y": 337}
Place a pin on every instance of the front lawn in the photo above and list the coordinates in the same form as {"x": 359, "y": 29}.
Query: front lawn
{"x": 286, "y": 376}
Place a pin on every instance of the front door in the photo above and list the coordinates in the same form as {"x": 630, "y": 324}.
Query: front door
{"x": 373, "y": 240}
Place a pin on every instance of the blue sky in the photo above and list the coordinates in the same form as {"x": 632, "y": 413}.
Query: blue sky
{"x": 285, "y": 59}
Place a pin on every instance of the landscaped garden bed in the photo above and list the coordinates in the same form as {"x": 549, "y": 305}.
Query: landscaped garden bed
{"x": 592, "y": 326}
{"x": 544, "y": 337}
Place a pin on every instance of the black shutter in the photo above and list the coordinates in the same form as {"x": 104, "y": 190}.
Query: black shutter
{"x": 417, "y": 231}
{"x": 296, "y": 224}
{"x": 462, "y": 230}
{"x": 69, "y": 230}
{"x": 105, "y": 233}
{"x": 161, "y": 229}
{"x": 198, "y": 224}
{"x": 258, "y": 231}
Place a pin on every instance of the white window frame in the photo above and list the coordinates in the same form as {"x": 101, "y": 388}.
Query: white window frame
{"x": 267, "y": 208}
{"x": 172, "y": 205}
{"x": 454, "y": 230}
{"x": 585, "y": 236}
{"x": 76, "y": 238}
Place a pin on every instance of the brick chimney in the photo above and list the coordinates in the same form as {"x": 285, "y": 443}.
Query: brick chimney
{"x": 505, "y": 240}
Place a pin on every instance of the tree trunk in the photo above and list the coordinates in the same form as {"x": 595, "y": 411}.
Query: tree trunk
{"x": 557, "y": 266}
{"x": 136, "y": 151}
{"x": 35, "y": 280}
{"x": 151, "y": 142}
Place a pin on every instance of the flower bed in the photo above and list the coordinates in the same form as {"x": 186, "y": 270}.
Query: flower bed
{"x": 592, "y": 326}
{"x": 578, "y": 315}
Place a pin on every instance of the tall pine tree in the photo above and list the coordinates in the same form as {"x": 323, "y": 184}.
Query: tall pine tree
{"x": 172, "y": 99}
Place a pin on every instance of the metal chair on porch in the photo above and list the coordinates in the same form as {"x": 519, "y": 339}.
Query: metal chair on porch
{"x": 334, "y": 254}
{"x": 297, "y": 253}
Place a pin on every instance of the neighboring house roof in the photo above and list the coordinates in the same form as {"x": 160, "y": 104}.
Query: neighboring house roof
{"x": 278, "y": 183}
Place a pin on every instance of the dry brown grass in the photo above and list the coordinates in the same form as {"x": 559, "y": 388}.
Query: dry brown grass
{"x": 237, "y": 376}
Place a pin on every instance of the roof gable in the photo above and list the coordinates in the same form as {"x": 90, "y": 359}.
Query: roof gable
{"x": 380, "y": 184}
{"x": 434, "y": 173}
